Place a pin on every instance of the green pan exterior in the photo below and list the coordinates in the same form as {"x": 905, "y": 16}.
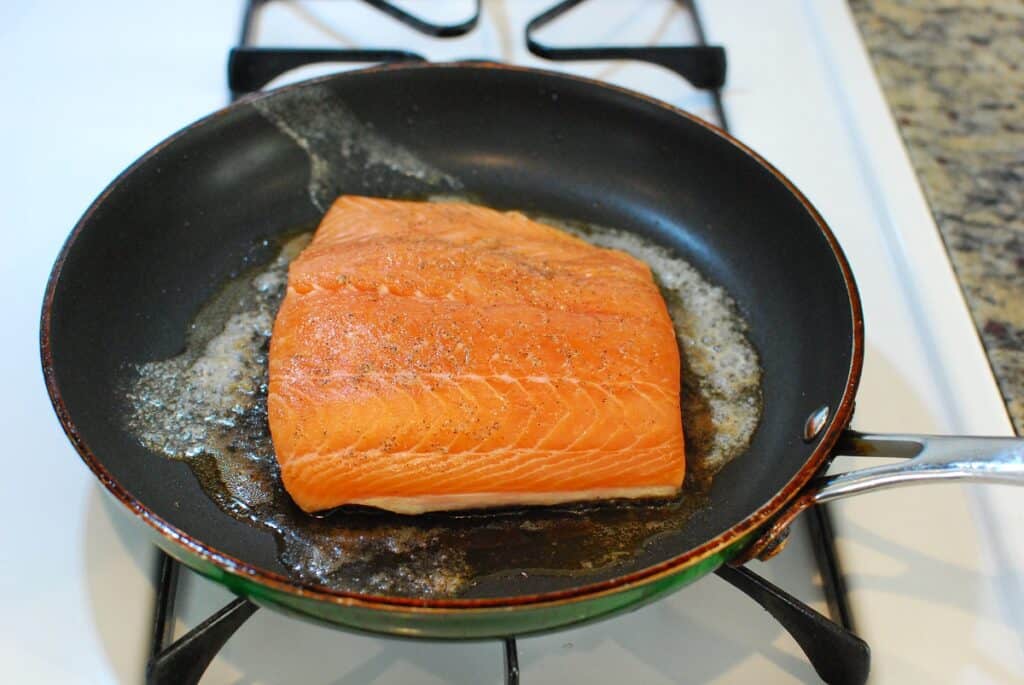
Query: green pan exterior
{"x": 456, "y": 623}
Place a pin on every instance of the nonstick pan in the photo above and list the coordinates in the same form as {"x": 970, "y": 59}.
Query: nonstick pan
{"x": 166, "y": 234}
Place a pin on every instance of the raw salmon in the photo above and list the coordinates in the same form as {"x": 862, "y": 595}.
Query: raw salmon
{"x": 436, "y": 356}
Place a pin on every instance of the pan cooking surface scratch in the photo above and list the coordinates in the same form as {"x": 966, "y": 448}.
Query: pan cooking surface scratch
{"x": 207, "y": 407}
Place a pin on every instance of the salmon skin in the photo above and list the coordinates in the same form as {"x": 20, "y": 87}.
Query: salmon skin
{"x": 432, "y": 356}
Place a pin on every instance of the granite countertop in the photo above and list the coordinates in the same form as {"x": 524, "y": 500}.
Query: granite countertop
{"x": 953, "y": 73}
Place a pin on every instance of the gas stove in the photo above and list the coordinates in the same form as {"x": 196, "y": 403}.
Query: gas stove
{"x": 925, "y": 576}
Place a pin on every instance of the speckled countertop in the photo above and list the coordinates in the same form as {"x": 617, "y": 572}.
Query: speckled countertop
{"x": 953, "y": 73}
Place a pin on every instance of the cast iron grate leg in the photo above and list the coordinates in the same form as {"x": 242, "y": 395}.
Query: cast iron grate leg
{"x": 429, "y": 28}
{"x": 184, "y": 661}
{"x": 511, "y": 662}
{"x": 837, "y": 655}
{"x": 702, "y": 65}
{"x": 251, "y": 68}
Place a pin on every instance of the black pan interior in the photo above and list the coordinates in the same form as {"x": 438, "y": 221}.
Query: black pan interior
{"x": 186, "y": 218}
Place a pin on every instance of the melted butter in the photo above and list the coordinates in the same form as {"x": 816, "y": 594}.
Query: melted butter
{"x": 207, "y": 407}
{"x": 343, "y": 151}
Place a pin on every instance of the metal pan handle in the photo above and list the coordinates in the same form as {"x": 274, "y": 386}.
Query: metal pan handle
{"x": 927, "y": 458}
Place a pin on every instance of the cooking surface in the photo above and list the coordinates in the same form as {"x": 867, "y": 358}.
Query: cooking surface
{"x": 934, "y": 578}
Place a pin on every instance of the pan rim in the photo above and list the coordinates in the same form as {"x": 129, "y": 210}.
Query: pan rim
{"x": 636, "y": 579}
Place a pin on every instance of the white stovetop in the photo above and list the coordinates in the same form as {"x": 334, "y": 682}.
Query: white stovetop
{"x": 935, "y": 577}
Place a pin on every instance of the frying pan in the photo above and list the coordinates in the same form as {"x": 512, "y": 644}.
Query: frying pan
{"x": 166, "y": 234}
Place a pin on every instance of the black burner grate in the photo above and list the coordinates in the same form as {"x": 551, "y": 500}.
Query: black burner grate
{"x": 251, "y": 68}
{"x": 702, "y": 65}
{"x": 835, "y": 652}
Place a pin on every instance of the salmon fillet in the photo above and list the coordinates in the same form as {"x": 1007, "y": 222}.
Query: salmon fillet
{"x": 433, "y": 356}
